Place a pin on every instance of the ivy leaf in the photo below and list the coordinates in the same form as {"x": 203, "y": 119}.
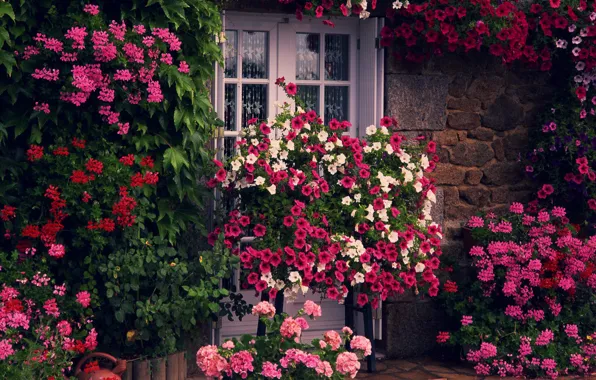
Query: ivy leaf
{"x": 7, "y": 59}
{"x": 6, "y": 9}
{"x": 175, "y": 158}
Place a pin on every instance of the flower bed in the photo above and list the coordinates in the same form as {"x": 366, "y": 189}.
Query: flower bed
{"x": 530, "y": 308}
{"x": 281, "y": 354}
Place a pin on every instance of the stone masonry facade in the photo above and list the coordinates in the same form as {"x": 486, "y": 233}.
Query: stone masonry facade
{"x": 479, "y": 113}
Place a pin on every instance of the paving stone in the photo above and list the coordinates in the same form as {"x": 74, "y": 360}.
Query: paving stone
{"x": 417, "y": 375}
{"x": 401, "y": 364}
{"x": 438, "y": 369}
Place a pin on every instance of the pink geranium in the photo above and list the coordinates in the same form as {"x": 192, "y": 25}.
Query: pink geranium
{"x": 264, "y": 309}
{"x": 333, "y": 339}
{"x": 312, "y": 309}
{"x": 348, "y": 364}
{"x": 290, "y": 328}
{"x": 361, "y": 343}
{"x": 211, "y": 362}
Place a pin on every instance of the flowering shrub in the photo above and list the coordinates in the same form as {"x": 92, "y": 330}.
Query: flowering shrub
{"x": 281, "y": 354}
{"x": 531, "y": 305}
{"x": 329, "y": 211}
{"x": 41, "y": 327}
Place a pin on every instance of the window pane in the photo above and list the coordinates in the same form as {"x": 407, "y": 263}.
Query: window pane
{"x": 337, "y": 57}
{"x": 307, "y": 56}
{"x": 254, "y": 54}
{"x": 229, "y": 148}
{"x": 254, "y": 102}
{"x": 336, "y": 103}
{"x": 231, "y": 53}
{"x": 230, "y": 107}
{"x": 310, "y": 97}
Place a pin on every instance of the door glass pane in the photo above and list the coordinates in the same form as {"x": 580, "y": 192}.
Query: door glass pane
{"x": 254, "y": 54}
{"x": 337, "y": 57}
{"x": 307, "y": 56}
{"x": 254, "y": 102}
{"x": 231, "y": 54}
{"x": 336, "y": 103}
{"x": 309, "y": 95}
{"x": 229, "y": 147}
{"x": 230, "y": 107}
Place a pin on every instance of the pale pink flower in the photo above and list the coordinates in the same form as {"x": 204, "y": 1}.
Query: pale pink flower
{"x": 466, "y": 320}
{"x": 241, "y": 363}
{"x": 312, "y": 309}
{"x": 264, "y": 309}
{"x": 229, "y": 345}
{"x": 56, "y": 250}
{"x": 93, "y": 10}
{"x": 302, "y": 323}
{"x": 64, "y": 328}
{"x": 290, "y": 328}
{"x": 324, "y": 368}
{"x": 346, "y": 330}
{"x": 211, "y": 362}
{"x": 361, "y": 343}
{"x": 347, "y": 364}
{"x": 333, "y": 339}
{"x": 271, "y": 371}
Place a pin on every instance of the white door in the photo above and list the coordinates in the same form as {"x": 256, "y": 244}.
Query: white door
{"x": 323, "y": 62}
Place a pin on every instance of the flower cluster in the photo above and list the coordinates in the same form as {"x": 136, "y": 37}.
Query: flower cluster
{"x": 329, "y": 211}
{"x": 281, "y": 354}
{"x": 115, "y": 64}
{"x": 39, "y": 334}
{"x": 536, "y": 281}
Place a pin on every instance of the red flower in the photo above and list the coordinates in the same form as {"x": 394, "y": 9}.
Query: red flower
{"x": 86, "y": 197}
{"x": 362, "y": 299}
{"x": 94, "y": 166}
{"x": 291, "y": 89}
{"x": 450, "y": 287}
{"x": 280, "y": 80}
{"x": 580, "y": 92}
{"x": 347, "y": 182}
{"x": 386, "y": 121}
{"x": 31, "y": 231}
{"x": 127, "y": 160}
{"x": 7, "y": 213}
{"x": 496, "y": 50}
{"x": 555, "y": 3}
{"x": 147, "y": 162}
{"x": 221, "y": 175}
{"x": 61, "y": 151}
{"x": 78, "y": 143}
{"x": 137, "y": 180}
{"x": 329, "y": 23}
{"x": 34, "y": 153}
{"x": 79, "y": 176}
{"x": 319, "y": 11}
{"x": 443, "y": 337}
{"x": 107, "y": 225}
{"x": 548, "y": 189}
{"x": 259, "y": 230}
{"x": 151, "y": 178}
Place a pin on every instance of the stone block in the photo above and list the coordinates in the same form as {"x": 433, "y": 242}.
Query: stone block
{"x": 459, "y": 85}
{"x": 452, "y": 230}
{"x": 438, "y": 210}
{"x": 505, "y": 195}
{"x": 531, "y": 93}
{"x": 486, "y": 88}
{"x": 445, "y": 137}
{"x": 499, "y": 149}
{"x": 463, "y": 120}
{"x": 402, "y": 333}
{"x": 473, "y": 177}
{"x": 404, "y": 101}
{"x": 504, "y": 114}
{"x": 471, "y": 153}
{"x": 459, "y": 211}
{"x": 464, "y": 104}
{"x": 483, "y": 134}
{"x": 503, "y": 173}
{"x": 446, "y": 174}
{"x": 475, "y": 195}
{"x": 516, "y": 143}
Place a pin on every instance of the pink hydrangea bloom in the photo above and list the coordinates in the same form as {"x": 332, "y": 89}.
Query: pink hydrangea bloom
{"x": 347, "y": 364}
{"x": 264, "y": 309}
{"x": 241, "y": 363}
{"x": 290, "y": 328}
{"x": 211, "y": 362}
{"x": 228, "y": 345}
{"x": 312, "y": 309}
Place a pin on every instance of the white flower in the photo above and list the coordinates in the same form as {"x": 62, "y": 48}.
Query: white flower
{"x": 405, "y": 158}
{"x": 431, "y": 196}
{"x": 357, "y": 197}
{"x": 323, "y": 136}
{"x": 283, "y": 155}
{"x": 236, "y": 164}
{"x": 383, "y": 215}
{"x": 299, "y": 109}
{"x": 329, "y": 146}
{"x": 294, "y": 277}
{"x": 411, "y": 166}
{"x": 352, "y": 215}
{"x": 418, "y": 187}
{"x": 332, "y": 169}
{"x": 419, "y": 268}
{"x": 306, "y": 126}
{"x": 341, "y": 159}
{"x": 408, "y": 177}
{"x": 346, "y": 201}
{"x": 371, "y": 130}
{"x": 376, "y": 146}
{"x": 393, "y": 237}
{"x": 424, "y": 162}
{"x": 251, "y": 159}
{"x": 384, "y": 130}
{"x": 358, "y": 279}
{"x": 272, "y": 189}
{"x": 290, "y": 145}
{"x": 290, "y": 295}
{"x": 259, "y": 181}
{"x": 338, "y": 142}
{"x": 279, "y": 284}
{"x": 389, "y": 149}
{"x": 367, "y": 149}
{"x": 406, "y": 260}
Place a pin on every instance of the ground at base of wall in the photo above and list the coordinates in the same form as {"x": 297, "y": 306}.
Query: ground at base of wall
{"x": 421, "y": 369}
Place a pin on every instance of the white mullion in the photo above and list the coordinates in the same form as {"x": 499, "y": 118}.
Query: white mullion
{"x": 352, "y": 61}
{"x": 322, "y": 79}
{"x": 239, "y": 81}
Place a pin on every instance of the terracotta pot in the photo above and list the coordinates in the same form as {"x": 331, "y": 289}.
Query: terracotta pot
{"x": 102, "y": 373}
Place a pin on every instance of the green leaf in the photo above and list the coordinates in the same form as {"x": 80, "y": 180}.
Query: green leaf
{"x": 119, "y": 316}
{"x": 6, "y": 9}
{"x": 7, "y": 59}
{"x": 175, "y": 158}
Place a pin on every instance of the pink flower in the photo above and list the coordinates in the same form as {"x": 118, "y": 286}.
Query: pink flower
{"x": 6, "y": 349}
{"x": 361, "y": 343}
{"x": 43, "y": 107}
{"x": 291, "y": 89}
{"x": 443, "y": 337}
{"x": 154, "y": 90}
{"x": 77, "y": 34}
{"x": 139, "y": 29}
{"x": 183, "y": 67}
{"x": 312, "y": 309}
{"x": 346, "y": 330}
{"x": 84, "y": 298}
{"x": 290, "y": 328}
{"x": 476, "y": 222}
{"x": 324, "y": 368}
{"x": 211, "y": 362}
{"x": 264, "y": 309}
{"x": 64, "y": 328}
{"x": 93, "y": 10}
{"x": 56, "y": 250}
{"x": 516, "y": 208}
{"x": 118, "y": 30}
{"x": 271, "y": 371}
{"x": 46, "y": 74}
{"x": 241, "y": 363}
{"x": 229, "y": 345}
{"x": 347, "y": 364}
{"x": 466, "y": 320}
{"x": 51, "y": 308}
{"x": 123, "y": 128}
{"x": 545, "y": 338}
{"x": 333, "y": 339}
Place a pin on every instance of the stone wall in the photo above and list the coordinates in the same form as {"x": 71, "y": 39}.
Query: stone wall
{"x": 478, "y": 112}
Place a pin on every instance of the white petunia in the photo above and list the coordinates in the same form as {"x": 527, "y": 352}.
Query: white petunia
{"x": 376, "y": 146}
{"x": 259, "y": 181}
{"x": 393, "y": 237}
{"x": 419, "y": 268}
{"x": 424, "y": 162}
{"x": 346, "y": 201}
{"x": 294, "y": 276}
{"x": 251, "y": 159}
{"x": 408, "y": 176}
{"x": 389, "y": 149}
{"x": 290, "y": 145}
{"x": 431, "y": 196}
{"x": 371, "y": 130}
{"x": 418, "y": 187}
{"x": 272, "y": 189}
{"x": 357, "y": 197}
{"x": 323, "y": 135}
